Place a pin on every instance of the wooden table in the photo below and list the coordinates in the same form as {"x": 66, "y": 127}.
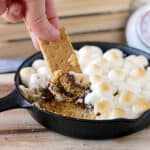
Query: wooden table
{"x": 85, "y": 20}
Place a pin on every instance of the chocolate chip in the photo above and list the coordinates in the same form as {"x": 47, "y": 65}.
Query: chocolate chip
{"x": 98, "y": 114}
{"x": 47, "y": 95}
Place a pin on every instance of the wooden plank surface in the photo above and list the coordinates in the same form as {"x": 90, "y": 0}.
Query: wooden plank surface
{"x": 18, "y": 131}
{"x": 67, "y": 8}
{"x": 25, "y": 47}
{"x": 82, "y": 7}
{"x": 116, "y": 36}
{"x": 15, "y": 49}
{"x": 75, "y": 25}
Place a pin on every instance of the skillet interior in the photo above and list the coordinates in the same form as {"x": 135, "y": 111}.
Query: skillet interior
{"x": 95, "y": 129}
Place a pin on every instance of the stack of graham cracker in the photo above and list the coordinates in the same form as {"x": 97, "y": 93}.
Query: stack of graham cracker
{"x": 85, "y": 20}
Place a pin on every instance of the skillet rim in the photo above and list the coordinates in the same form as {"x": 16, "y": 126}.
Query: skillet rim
{"x": 125, "y": 120}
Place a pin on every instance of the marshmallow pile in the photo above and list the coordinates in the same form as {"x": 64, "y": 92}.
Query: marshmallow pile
{"x": 36, "y": 76}
{"x": 120, "y": 84}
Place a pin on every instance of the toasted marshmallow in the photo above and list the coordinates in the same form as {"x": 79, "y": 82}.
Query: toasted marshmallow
{"x": 87, "y": 54}
{"x": 102, "y": 107}
{"x": 140, "y": 61}
{"x": 114, "y": 56}
{"x": 91, "y": 98}
{"x": 116, "y": 75}
{"x": 90, "y": 51}
{"x": 138, "y": 73}
{"x": 95, "y": 78}
{"x": 103, "y": 63}
{"x": 127, "y": 98}
{"x": 25, "y": 74}
{"x": 38, "y": 63}
{"x": 141, "y": 105}
{"x": 93, "y": 69}
{"x": 118, "y": 113}
{"x": 104, "y": 88}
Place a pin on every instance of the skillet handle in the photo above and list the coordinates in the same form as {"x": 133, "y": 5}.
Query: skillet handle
{"x": 12, "y": 101}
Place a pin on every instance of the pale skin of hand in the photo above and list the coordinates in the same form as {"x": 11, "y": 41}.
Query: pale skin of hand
{"x": 39, "y": 16}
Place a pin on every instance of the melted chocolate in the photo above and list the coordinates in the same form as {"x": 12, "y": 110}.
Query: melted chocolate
{"x": 47, "y": 95}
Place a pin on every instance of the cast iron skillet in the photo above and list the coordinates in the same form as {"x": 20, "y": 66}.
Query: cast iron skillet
{"x": 80, "y": 128}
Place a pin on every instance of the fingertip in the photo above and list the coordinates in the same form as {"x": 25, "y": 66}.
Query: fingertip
{"x": 54, "y": 34}
{"x": 54, "y": 22}
{"x": 15, "y": 12}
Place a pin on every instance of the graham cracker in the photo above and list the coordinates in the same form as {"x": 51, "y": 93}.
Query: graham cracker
{"x": 60, "y": 55}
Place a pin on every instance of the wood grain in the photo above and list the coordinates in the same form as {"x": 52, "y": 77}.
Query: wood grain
{"x": 75, "y": 25}
{"x": 67, "y": 8}
{"x": 84, "y": 7}
{"x": 18, "y": 48}
{"x": 48, "y": 140}
{"x": 25, "y": 47}
{"x": 106, "y": 36}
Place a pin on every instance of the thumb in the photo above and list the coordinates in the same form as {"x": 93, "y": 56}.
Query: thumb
{"x": 37, "y": 21}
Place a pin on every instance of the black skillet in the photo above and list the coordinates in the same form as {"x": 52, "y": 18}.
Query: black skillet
{"x": 88, "y": 129}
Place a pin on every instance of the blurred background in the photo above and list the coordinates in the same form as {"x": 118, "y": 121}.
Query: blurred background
{"x": 86, "y": 20}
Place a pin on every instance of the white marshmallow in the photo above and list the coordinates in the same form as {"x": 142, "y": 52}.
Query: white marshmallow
{"x": 128, "y": 66}
{"x": 44, "y": 73}
{"x": 116, "y": 75}
{"x": 103, "y": 108}
{"x": 138, "y": 73}
{"x": 115, "y": 56}
{"x": 25, "y": 74}
{"x": 127, "y": 98}
{"x": 94, "y": 79}
{"x": 141, "y": 105}
{"x": 146, "y": 93}
{"x": 90, "y": 51}
{"x": 118, "y": 113}
{"x": 37, "y": 82}
{"x": 140, "y": 61}
{"x": 104, "y": 88}
{"x": 102, "y": 63}
{"x": 133, "y": 84}
{"x": 38, "y": 63}
{"x": 87, "y": 54}
{"x": 130, "y": 58}
{"x": 92, "y": 98}
{"x": 93, "y": 69}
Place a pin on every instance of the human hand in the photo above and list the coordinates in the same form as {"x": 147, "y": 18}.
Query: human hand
{"x": 39, "y": 16}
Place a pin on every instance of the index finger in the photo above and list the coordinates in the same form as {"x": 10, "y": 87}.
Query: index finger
{"x": 52, "y": 13}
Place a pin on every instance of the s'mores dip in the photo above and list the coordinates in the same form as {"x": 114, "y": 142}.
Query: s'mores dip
{"x": 95, "y": 84}
{"x": 110, "y": 86}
